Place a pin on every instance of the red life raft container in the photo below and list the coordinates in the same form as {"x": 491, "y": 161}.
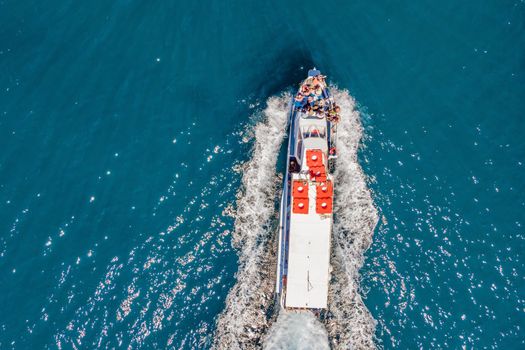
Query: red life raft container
{"x": 300, "y": 189}
{"x": 325, "y": 190}
{"x": 300, "y": 205}
{"x": 318, "y": 173}
{"x": 314, "y": 158}
{"x": 323, "y": 205}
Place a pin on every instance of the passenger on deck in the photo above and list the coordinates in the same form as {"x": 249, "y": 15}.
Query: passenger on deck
{"x": 321, "y": 79}
{"x": 333, "y": 114}
{"x": 305, "y": 90}
{"x": 299, "y": 100}
{"x": 311, "y": 100}
{"x": 307, "y": 109}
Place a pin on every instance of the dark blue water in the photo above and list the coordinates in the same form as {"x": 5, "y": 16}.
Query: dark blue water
{"x": 121, "y": 124}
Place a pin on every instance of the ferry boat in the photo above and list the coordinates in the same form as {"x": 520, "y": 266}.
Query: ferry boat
{"x": 306, "y": 215}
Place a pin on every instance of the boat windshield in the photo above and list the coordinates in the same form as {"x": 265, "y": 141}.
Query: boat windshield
{"x": 314, "y": 131}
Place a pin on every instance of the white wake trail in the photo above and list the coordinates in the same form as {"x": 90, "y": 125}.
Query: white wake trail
{"x": 349, "y": 324}
{"x": 297, "y": 331}
{"x": 245, "y": 319}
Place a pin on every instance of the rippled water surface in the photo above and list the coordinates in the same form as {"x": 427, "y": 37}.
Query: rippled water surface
{"x": 126, "y": 128}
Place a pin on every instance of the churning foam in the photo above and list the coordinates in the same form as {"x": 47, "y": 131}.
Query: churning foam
{"x": 350, "y": 325}
{"x": 245, "y": 318}
{"x": 296, "y": 330}
{"x": 248, "y": 313}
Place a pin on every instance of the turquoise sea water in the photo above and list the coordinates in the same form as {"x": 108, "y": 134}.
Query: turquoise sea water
{"x": 122, "y": 123}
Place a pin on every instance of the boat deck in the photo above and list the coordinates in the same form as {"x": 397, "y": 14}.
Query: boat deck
{"x": 309, "y": 257}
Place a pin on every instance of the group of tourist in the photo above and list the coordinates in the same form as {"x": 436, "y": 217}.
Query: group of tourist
{"x": 312, "y": 99}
